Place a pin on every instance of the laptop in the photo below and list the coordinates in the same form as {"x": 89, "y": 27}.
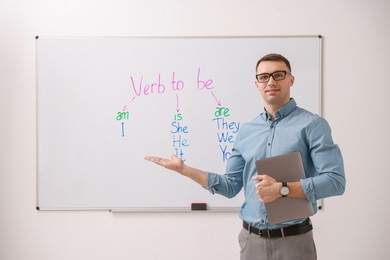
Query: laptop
{"x": 289, "y": 168}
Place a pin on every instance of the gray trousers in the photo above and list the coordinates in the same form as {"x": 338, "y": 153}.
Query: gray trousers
{"x": 299, "y": 247}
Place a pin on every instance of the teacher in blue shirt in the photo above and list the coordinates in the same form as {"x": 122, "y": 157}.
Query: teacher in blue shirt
{"x": 282, "y": 128}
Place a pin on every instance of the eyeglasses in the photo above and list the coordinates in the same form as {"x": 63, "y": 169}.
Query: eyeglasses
{"x": 277, "y": 75}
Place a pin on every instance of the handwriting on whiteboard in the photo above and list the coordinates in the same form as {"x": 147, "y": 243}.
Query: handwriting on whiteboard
{"x": 225, "y": 129}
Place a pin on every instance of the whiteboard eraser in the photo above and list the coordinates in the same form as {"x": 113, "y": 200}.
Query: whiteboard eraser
{"x": 198, "y": 206}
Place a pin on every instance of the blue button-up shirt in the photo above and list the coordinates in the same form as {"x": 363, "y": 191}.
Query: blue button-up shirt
{"x": 293, "y": 129}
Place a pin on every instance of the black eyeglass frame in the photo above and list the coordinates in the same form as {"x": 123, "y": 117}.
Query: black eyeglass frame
{"x": 272, "y": 75}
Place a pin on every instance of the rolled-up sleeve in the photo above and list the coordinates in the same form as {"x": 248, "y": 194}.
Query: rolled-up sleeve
{"x": 329, "y": 179}
{"x": 230, "y": 183}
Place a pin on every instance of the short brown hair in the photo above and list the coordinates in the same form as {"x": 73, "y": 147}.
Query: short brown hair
{"x": 274, "y": 57}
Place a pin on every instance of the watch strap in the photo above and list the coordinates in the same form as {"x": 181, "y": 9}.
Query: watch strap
{"x": 284, "y": 184}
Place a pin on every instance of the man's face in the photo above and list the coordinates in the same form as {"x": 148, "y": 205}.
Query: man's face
{"x": 275, "y": 92}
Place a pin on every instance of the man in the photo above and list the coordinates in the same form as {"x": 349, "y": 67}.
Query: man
{"x": 283, "y": 127}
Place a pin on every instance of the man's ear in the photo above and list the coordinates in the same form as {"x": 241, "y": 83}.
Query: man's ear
{"x": 292, "y": 80}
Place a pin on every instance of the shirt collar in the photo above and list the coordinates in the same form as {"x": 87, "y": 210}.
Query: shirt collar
{"x": 282, "y": 112}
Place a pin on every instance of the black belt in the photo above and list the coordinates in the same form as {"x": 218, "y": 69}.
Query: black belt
{"x": 293, "y": 230}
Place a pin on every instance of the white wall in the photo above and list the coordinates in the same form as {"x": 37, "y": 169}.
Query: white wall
{"x": 355, "y": 92}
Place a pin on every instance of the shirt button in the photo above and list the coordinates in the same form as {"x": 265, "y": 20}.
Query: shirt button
{"x": 269, "y": 143}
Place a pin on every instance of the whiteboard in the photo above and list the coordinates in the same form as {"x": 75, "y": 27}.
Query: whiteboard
{"x": 104, "y": 103}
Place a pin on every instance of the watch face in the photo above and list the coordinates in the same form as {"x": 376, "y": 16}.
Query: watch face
{"x": 284, "y": 191}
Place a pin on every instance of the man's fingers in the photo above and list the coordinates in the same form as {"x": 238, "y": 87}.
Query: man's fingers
{"x": 158, "y": 160}
{"x": 259, "y": 177}
{"x": 168, "y": 163}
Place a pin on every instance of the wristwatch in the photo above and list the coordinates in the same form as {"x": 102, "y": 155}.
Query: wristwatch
{"x": 284, "y": 190}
